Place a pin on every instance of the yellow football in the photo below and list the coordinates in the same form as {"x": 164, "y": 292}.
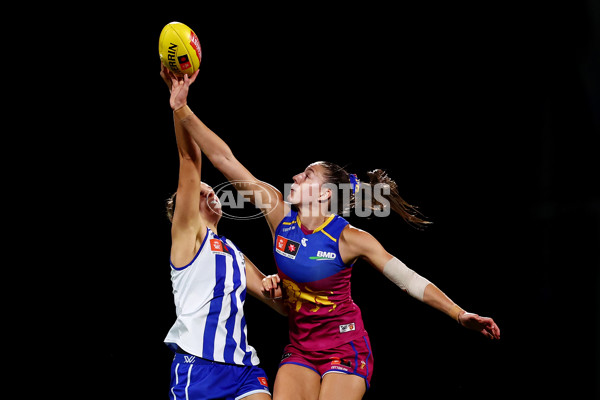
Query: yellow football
{"x": 179, "y": 49}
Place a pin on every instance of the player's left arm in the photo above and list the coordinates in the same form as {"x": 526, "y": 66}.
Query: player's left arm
{"x": 356, "y": 243}
{"x": 254, "y": 285}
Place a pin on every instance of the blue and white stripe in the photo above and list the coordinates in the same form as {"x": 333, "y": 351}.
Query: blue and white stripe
{"x": 209, "y": 295}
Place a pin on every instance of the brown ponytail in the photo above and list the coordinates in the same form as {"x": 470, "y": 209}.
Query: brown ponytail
{"x": 334, "y": 174}
{"x": 408, "y": 212}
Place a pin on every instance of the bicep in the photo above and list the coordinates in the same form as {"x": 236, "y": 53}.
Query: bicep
{"x": 356, "y": 243}
{"x": 186, "y": 215}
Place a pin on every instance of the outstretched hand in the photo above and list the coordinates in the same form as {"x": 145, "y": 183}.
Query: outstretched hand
{"x": 484, "y": 325}
{"x": 178, "y": 86}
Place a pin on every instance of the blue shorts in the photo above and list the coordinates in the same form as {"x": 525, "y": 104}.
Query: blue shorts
{"x": 194, "y": 378}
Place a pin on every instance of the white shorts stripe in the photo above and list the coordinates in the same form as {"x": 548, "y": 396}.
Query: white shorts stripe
{"x": 176, "y": 382}
{"x": 188, "y": 382}
{"x": 253, "y": 392}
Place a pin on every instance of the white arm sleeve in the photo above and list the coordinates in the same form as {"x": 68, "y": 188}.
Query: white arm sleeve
{"x": 405, "y": 278}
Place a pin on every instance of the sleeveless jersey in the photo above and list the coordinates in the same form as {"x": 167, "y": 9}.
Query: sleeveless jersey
{"x": 316, "y": 284}
{"x": 209, "y": 297}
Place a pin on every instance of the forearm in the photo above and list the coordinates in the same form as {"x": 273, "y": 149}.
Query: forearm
{"x": 276, "y": 304}
{"x": 255, "y": 290}
{"x": 188, "y": 149}
{"x": 420, "y": 288}
{"x": 217, "y": 151}
{"x": 254, "y": 278}
{"x": 437, "y": 299}
{"x": 425, "y": 291}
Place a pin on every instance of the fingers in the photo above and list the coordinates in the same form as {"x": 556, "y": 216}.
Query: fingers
{"x": 493, "y": 329}
{"x": 175, "y": 80}
{"x": 194, "y": 76}
{"x": 270, "y": 285}
{"x": 490, "y": 328}
{"x": 486, "y": 326}
{"x": 487, "y": 334}
{"x": 164, "y": 74}
{"x": 271, "y": 282}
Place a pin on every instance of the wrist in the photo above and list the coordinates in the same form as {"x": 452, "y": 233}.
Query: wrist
{"x": 182, "y": 112}
{"x": 455, "y": 312}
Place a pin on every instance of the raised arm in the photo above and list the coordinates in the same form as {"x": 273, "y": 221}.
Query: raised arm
{"x": 261, "y": 194}
{"x": 355, "y": 243}
{"x": 188, "y": 227}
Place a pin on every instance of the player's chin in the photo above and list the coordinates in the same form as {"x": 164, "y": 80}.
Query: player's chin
{"x": 293, "y": 197}
{"x": 217, "y": 211}
{"x": 212, "y": 213}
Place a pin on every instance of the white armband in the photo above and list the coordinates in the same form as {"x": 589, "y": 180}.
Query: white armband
{"x": 405, "y": 278}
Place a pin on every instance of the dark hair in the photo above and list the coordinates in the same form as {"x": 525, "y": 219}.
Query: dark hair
{"x": 337, "y": 175}
{"x": 171, "y": 206}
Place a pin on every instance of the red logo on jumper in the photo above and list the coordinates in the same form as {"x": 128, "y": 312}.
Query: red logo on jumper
{"x": 263, "y": 381}
{"x": 340, "y": 363}
{"x": 281, "y": 243}
{"x": 216, "y": 245}
{"x": 286, "y": 247}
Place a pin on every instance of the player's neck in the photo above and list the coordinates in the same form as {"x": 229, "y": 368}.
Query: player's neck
{"x": 310, "y": 220}
{"x": 212, "y": 227}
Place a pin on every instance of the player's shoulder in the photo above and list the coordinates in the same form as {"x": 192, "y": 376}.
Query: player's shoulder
{"x": 352, "y": 232}
{"x": 357, "y": 242}
{"x": 356, "y": 237}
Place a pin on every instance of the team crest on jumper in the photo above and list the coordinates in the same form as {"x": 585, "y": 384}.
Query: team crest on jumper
{"x": 295, "y": 297}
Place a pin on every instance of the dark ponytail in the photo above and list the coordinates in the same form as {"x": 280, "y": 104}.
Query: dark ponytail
{"x": 336, "y": 175}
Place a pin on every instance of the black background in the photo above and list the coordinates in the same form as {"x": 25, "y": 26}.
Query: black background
{"x": 486, "y": 114}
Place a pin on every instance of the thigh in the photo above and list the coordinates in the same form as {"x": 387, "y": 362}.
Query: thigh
{"x": 296, "y": 382}
{"x": 340, "y": 386}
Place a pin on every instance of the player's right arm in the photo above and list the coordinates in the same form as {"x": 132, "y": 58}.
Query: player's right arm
{"x": 188, "y": 228}
{"x": 261, "y": 194}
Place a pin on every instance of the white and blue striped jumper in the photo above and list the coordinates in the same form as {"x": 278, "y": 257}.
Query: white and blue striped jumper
{"x": 209, "y": 295}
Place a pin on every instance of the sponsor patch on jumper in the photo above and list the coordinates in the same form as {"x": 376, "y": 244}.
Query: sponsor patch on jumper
{"x": 340, "y": 361}
{"x": 347, "y": 328}
{"x": 263, "y": 381}
{"x": 217, "y": 246}
{"x": 286, "y": 247}
{"x": 323, "y": 255}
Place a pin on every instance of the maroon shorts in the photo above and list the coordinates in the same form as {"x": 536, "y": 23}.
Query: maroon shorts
{"x": 353, "y": 358}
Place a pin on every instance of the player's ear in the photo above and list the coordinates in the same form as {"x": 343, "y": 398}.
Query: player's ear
{"x": 326, "y": 193}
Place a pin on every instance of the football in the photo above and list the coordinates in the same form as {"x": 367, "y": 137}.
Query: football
{"x": 179, "y": 49}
